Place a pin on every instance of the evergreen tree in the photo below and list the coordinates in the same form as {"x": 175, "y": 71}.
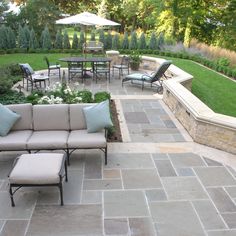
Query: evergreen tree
{"x": 22, "y": 41}
{"x": 125, "y": 42}
{"x": 46, "y": 43}
{"x": 75, "y": 43}
{"x": 58, "y": 42}
{"x": 102, "y": 36}
{"x": 3, "y": 37}
{"x": 153, "y": 42}
{"x": 133, "y": 41}
{"x": 27, "y": 36}
{"x": 81, "y": 39}
{"x": 108, "y": 40}
{"x": 160, "y": 41}
{"x": 92, "y": 36}
{"x": 66, "y": 41}
{"x": 11, "y": 38}
{"x": 33, "y": 44}
{"x": 116, "y": 42}
{"x": 142, "y": 42}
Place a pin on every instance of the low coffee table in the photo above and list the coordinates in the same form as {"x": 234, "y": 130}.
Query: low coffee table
{"x": 39, "y": 169}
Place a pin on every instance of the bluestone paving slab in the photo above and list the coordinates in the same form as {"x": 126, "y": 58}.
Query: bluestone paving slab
{"x": 179, "y": 188}
{"x": 72, "y": 188}
{"x": 208, "y": 215}
{"x": 2, "y": 222}
{"x": 185, "y": 171}
{"x": 231, "y": 191}
{"x": 159, "y": 156}
{"x": 215, "y": 176}
{"x": 66, "y": 220}
{"x": 129, "y": 203}
{"x": 186, "y": 160}
{"x": 111, "y": 174}
{"x": 93, "y": 166}
{"x": 5, "y": 168}
{"x": 175, "y": 218}
{"x": 212, "y": 162}
{"x": 169, "y": 124}
{"x": 25, "y": 202}
{"x": 230, "y": 219}
{"x": 103, "y": 184}
{"x": 222, "y": 233}
{"x": 156, "y": 195}
{"x": 14, "y": 227}
{"x": 91, "y": 197}
{"x": 140, "y": 179}
{"x": 129, "y": 160}
{"x": 221, "y": 200}
{"x": 165, "y": 168}
{"x": 141, "y": 227}
{"x": 178, "y": 137}
{"x": 232, "y": 171}
{"x": 48, "y": 195}
{"x": 117, "y": 226}
{"x": 136, "y": 117}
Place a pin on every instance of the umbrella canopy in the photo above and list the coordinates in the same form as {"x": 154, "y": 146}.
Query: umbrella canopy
{"x": 86, "y": 18}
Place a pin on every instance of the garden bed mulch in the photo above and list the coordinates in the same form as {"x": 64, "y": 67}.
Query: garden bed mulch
{"x": 116, "y": 134}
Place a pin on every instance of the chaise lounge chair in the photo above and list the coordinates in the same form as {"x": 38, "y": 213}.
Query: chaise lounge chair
{"x": 153, "y": 79}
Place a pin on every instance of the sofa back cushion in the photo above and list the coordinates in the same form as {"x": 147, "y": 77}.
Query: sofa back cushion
{"x": 77, "y": 118}
{"x": 25, "y": 122}
{"x": 51, "y": 117}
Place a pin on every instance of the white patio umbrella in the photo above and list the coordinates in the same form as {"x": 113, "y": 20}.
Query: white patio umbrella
{"x": 87, "y": 19}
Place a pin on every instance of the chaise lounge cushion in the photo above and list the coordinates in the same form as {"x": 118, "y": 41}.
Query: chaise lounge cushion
{"x": 39, "y": 168}
{"x": 51, "y": 117}
{"x": 15, "y": 140}
{"x": 25, "y": 121}
{"x": 83, "y": 139}
{"x": 50, "y": 139}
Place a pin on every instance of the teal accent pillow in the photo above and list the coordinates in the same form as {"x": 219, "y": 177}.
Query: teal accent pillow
{"x": 98, "y": 117}
{"x": 7, "y": 119}
{"x": 26, "y": 65}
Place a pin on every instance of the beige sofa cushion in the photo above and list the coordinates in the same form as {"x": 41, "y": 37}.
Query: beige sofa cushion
{"x": 83, "y": 139}
{"x": 15, "y": 140}
{"x": 25, "y": 111}
{"x": 40, "y": 168}
{"x": 43, "y": 140}
{"x": 77, "y": 118}
{"x": 51, "y": 117}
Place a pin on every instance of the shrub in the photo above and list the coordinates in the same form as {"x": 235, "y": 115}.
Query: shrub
{"x": 115, "y": 42}
{"x": 75, "y": 42}
{"x": 46, "y": 40}
{"x": 81, "y": 39}
{"x": 22, "y": 41}
{"x": 133, "y": 41}
{"x": 58, "y": 41}
{"x": 108, "y": 44}
{"x": 153, "y": 42}
{"x": 92, "y": 36}
{"x": 11, "y": 38}
{"x": 3, "y": 37}
{"x": 125, "y": 42}
{"x": 160, "y": 41}
{"x": 101, "y": 36}
{"x": 33, "y": 43}
{"x": 12, "y": 97}
{"x": 101, "y": 96}
{"x": 223, "y": 61}
{"x": 142, "y": 42}
{"x": 66, "y": 41}
{"x": 86, "y": 95}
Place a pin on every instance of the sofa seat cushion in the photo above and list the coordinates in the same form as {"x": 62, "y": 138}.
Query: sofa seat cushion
{"x": 83, "y": 139}
{"x": 15, "y": 140}
{"x": 39, "y": 168}
{"x": 43, "y": 140}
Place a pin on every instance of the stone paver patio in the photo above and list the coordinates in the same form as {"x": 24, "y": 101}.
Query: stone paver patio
{"x": 156, "y": 183}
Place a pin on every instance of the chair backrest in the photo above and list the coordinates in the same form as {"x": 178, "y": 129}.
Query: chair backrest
{"x": 47, "y": 61}
{"x": 125, "y": 60}
{"x": 28, "y": 67}
{"x": 161, "y": 70}
{"x": 75, "y": 65}
{"x": 26, "y": 71}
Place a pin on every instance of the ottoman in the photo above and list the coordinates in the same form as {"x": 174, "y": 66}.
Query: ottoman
{"x": 38, "y": 169}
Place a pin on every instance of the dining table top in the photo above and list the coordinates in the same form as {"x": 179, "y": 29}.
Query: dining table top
{"x": 85, "y": 59}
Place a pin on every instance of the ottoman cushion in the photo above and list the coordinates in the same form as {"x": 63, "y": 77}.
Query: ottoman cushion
{"x": 39, "y": 168}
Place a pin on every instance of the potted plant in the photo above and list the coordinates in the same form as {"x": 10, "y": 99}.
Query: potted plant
{"x": 135, "y": 60}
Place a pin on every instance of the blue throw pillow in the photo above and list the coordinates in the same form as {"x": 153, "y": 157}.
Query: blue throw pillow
{"x": 97, "y": 117}
{"x": 7, "y": 119}
{"x": 26, "y": 65}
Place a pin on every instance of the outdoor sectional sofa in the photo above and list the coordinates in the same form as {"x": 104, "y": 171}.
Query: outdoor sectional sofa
{"x": 52, "y": 127}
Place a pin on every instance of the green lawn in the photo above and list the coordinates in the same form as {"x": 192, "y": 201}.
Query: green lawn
{"x": 218, "y": 92}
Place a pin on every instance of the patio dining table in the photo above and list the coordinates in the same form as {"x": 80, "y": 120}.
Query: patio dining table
{"x": 84, "y": 60}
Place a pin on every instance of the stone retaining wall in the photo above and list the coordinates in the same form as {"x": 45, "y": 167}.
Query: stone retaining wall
{"x": 204, "y": 125}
